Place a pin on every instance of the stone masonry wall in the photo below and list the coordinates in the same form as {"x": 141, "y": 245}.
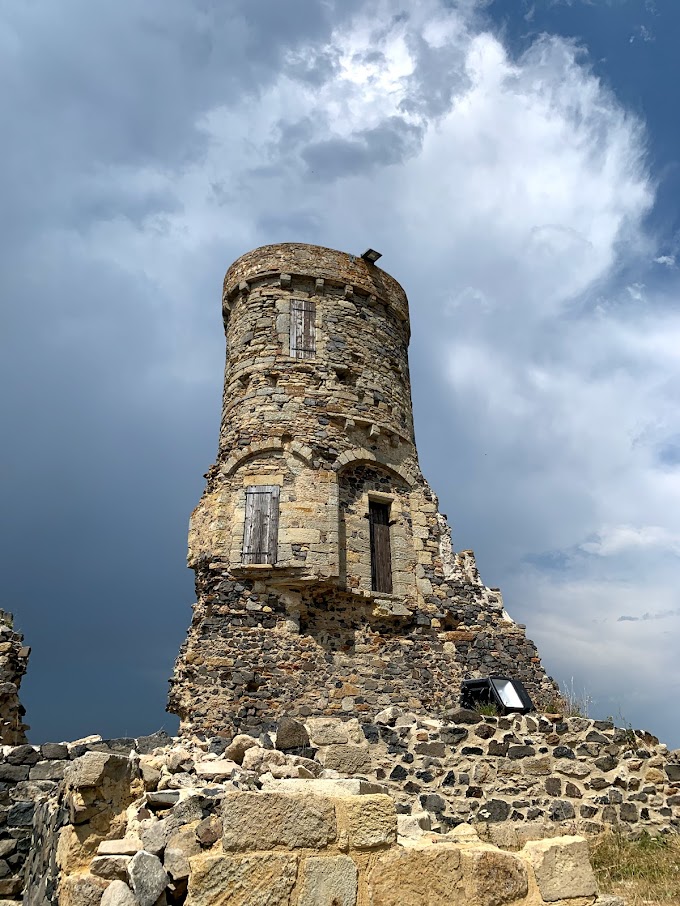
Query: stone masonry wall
{"x": 13, "y": 663}
{"x": 513, "y": 777}
{"x": 137, "y": 824}
{"x": 403, "y": 809}
{"x": 29, "y": 776}
{"x": 66, "y": 798}
{"x": 268, "y": 392}
{"x": 255, "y": 654}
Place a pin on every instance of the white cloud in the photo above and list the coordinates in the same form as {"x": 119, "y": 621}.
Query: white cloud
{"x": 619, "y": 663}
{"x": 643, "y": 33}
{"x": 635, "y": 291}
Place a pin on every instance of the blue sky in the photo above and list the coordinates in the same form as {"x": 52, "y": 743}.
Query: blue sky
{"x": 517, "y": 165}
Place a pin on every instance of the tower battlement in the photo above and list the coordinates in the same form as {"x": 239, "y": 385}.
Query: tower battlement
{"x": 337, "y": 269}
{"x": 325, "y": 575}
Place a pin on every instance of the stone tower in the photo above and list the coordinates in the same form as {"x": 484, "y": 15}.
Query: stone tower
{"x": 325, "y": 577}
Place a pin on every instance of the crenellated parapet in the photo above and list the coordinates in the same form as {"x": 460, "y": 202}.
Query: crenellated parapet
{"x": 327, "y": 269}
{"x": 316, "y": 358}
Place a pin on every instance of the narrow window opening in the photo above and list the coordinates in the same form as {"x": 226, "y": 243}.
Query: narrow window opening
{"x": 381, "y": 555}
{"x": 261, "y": 528}
{"x": 302, "y": 329}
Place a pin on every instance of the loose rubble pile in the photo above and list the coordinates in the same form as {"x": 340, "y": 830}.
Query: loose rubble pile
{"x": 127, "y": 822}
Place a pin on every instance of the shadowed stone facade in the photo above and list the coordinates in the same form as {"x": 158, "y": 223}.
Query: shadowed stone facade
{"x": 325, "y": 576}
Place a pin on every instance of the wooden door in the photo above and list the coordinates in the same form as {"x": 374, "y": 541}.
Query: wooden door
{"x": 381, "y": 554}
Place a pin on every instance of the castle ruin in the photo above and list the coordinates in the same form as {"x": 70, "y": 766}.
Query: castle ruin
{"x": 325, "y": 576}
{"x": 327, "y": 590}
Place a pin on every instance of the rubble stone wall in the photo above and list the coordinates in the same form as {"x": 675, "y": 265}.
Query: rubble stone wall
{"x": 13, "y": 663}
{"x": 126, "y": 821}
{"x": 404, "y": 809}
{"x": 29, "y": 776}
{"x": 307, "y": 634}
{"x": 182, "y": 823}
{"x": 514, "y": 776}
{"x": 255, "y": 653}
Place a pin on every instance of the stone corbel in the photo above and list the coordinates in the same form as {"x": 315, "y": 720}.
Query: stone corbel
{"x": 392, "y": 611}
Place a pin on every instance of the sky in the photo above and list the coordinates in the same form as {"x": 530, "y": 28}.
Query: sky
{"x": 515, "y": 162}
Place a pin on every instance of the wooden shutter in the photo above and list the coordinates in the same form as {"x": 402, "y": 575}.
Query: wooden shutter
{"x": 302, "y": 329}
{"x": 381, "y": 554}
{"x": 261, "y": 529}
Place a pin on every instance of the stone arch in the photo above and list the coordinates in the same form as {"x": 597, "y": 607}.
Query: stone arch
{"x": 360, "y": 455}
{"x": 274, "y": 445}
{"x": 306, "y": 514}
{"x": 366, "y": 483}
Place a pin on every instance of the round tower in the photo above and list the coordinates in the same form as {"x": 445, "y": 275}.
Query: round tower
{"x": 318, "y": 352}
{"x": 316, "y": 414}
{"x": 325, "y": 576}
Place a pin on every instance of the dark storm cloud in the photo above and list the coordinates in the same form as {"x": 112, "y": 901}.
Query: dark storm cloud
{"x": 438, "y": 77}
{"x": 101, "y": 106}
{"x": 391, "y": 142}
{"x": 95, "y": 545}
{"x": 87, "y": 86}
{"x": 663, "y": 615}
{"x": 91, "y": 92}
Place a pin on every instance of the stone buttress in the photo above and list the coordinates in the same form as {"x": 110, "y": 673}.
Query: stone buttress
{"x": 325, "y": 577}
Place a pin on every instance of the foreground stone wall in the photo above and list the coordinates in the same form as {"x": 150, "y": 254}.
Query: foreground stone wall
{"x": 79, "y": 814}
{"x": 512, "y": 777}
{"x": 182, "y": 824}
{"x": 29, "y": 777}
